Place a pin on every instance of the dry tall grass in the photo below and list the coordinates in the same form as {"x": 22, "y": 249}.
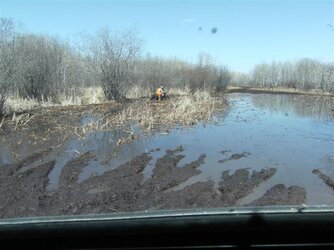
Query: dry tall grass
{"x": 15, "y": 104}
{"x": 138, "y": 92}
{"x": 185, "y": 110}
{"x": 84, "y": 96}
{"x": 92, "y": 95}
{"x": 179, "y": 91}
{"x": 150, "y": 114}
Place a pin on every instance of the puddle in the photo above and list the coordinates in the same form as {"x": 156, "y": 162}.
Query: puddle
{"x": 254, "y": 136}
{"x": 102, "y": 144}
{"x": 294, "y": 134}
{"x": 5, "y": 155}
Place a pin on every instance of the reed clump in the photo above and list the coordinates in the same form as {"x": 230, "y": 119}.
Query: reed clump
{"x": 182, "y": 110}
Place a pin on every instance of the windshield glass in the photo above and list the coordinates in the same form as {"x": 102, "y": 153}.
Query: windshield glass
{"x": 127, "y": 106}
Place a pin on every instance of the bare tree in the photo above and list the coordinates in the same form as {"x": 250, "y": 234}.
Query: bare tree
{"x": 76, "y": 73}
{"x": 150, "y": 72}
{"x": 260, "y": 75}
{"x": 40, "y": 70}
{"x": 304, "y": 74}
{"x": 223, "y": 78}
{"x": 239, "y": 79}
{"x": 287, "y": 76}
{"x": 329, "y": 78}
{"x": 7, "y": 58}
{"x": 207, "y": 75}
{"x": 113, "y": 57}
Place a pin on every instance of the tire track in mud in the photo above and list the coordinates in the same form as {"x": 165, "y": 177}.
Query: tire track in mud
{"x": 123, "y": 189}
{"x": 325, "y": 178}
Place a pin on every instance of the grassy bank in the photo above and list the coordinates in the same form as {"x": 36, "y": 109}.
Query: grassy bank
{"x": 84, "y": 96}
{"x": 75, "y": 118}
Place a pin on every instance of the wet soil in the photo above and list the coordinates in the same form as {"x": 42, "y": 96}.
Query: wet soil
{"x": 31, "y": 133}
{"x": 233, "y": 156}
{"x": 281, "y": 195}
{"x": 38, "y": 140}
{"x": 24, "y": 190}
{"x": 21, "y": 191}
{"x": 326, "y": 179}
{"x": 241, "y": 183}
{"x": 28, "y": 132}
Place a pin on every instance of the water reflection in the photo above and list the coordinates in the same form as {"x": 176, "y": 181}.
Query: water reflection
{"x": 104, "y": 145}
{"x": 293, "y": 134}
{"x": 316, "y": 107}
{"x": 5, "y": 155}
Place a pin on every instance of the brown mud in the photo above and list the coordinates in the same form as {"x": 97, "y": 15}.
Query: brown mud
{"x": 326, "y": 179}
{"x": 281, "y": 195}
{"x": 24, "y": 180}
{"x": 233, "y": 156}
{"x": 33, "y": 131}
{"x": 24, "y": 190}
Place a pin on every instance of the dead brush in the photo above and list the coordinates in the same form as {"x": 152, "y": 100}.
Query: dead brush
{"x": 103, "y": 124}
{"x": 138, "y": 92}
{"x": 175, "y": 91}
{"x": 1, "y": 123}
{"x": 185, "y": 110}
{"x": 123, "y": 116}
{"x": 147, "y": 118}
{"x": 192, "y": 109}
{"x": 100, "y": 124}
{"x": 22, "y": 120}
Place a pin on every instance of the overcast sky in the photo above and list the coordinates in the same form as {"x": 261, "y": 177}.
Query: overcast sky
{"x": 238, "y": 34}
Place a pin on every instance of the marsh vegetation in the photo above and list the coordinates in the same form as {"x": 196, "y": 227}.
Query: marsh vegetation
{"x": 79, "y": 133}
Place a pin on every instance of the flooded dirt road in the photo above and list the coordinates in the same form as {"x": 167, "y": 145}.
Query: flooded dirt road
{"x": 265, "y": 149}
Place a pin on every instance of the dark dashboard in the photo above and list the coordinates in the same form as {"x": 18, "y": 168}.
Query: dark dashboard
{"x": 242, "y": 228}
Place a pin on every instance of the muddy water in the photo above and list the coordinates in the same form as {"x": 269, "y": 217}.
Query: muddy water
{"x": 293, "y": 134}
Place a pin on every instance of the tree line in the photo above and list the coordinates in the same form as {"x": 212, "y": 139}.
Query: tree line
{"x": 304, "y": 74}
{"x": 42, "y": 67}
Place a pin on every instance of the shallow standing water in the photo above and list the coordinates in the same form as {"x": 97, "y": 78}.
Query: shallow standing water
{"x": 294, "y": 134}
